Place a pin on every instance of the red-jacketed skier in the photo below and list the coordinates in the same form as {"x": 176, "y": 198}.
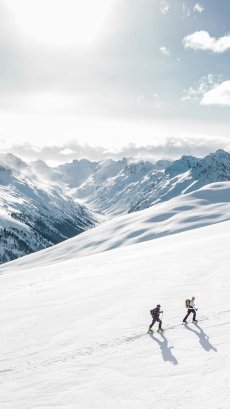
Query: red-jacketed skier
{"x": 191, "y": 309}
{"x": 156, "y": 317}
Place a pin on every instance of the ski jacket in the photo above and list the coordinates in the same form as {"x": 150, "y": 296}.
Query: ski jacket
{"x": 156, "y": 312}
{"x": 192, "y": 305}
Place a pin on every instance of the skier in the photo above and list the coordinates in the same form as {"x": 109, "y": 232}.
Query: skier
{"x": 156, "y": 317}
{"x": 191, "y": 308}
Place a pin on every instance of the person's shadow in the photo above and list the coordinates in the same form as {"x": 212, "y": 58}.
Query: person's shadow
{"x": 203, "y": 338}
{"x": 165, "y": 349}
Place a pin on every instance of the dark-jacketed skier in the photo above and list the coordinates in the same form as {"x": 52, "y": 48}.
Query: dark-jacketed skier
{"x": 191, "y": 309}
{"x": 156, "y": 317}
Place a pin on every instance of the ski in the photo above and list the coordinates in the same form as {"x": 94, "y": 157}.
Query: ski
{"x": 150, "y": 331}
{"x": 178, "y": 325}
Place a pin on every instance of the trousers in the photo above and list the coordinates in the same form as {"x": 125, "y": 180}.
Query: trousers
{"x": 156, "y": 319}
{"x": 190, "y": 310}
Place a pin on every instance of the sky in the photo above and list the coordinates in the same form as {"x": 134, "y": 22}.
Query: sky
{"x": 114, "y": 77}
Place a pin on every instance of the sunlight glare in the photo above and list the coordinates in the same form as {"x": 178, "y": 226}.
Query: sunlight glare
{"x": 62, "y": 22}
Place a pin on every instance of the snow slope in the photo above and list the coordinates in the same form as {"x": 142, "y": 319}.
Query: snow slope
{"x": 35, "y": 214}
{"x": 208, "y": 205}
{"x": 39, "y": 207}
{"x": 186, "y": 175}
{"x": 73, "y": 333}
{"x": 118, "y": 187}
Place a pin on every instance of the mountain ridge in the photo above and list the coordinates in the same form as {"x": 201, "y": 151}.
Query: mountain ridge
{"x": 207, "y": 206}
{"x": 33, "y": 214}
{"x": 41, "y": 206}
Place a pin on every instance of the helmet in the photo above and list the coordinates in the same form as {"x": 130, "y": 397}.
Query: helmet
{"x": 158, "y": 305}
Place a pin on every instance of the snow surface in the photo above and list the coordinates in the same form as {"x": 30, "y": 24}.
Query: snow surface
{"x": 73, "y": 333}
{"x": 210, "y": 204}
{"x": 35, "y": 213}
{"x": 49, "y": 200}
{"x": 119, "y": 187}
{"x": 112, "y": 187}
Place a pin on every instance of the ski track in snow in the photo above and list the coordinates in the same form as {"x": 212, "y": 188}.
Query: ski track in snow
{"x": 74, "y": 334}
{"x": 111, "y": 344}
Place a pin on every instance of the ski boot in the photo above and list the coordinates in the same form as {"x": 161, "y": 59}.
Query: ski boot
{"x": 150, "y": 331}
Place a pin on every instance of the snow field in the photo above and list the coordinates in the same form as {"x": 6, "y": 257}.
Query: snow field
{"x": 73, "y": 332}
{"x": 208, "y": 205}
{"x": 42, "y": 205}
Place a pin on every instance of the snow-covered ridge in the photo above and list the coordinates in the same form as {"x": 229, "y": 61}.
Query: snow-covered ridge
{"x": 118, "y": 187}
{"x": 208, "y": 205}
{"x": 186, "y": 175}
{"x": 41, "y": 206}
{"x": 215, "y": 166}
{"x": 34, "y": 214}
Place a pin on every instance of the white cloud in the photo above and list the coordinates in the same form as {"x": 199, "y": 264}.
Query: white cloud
{"x": 205, "y": 84}
{"x": 168, "y": 148}
{"x": 67, "y": 151}
{"x": 210, "y": 91}
{"x": 201, "y": 40}
{"x": 198, "y": 8}
{"x": 165, "y": 51}
{"x": 186, "y": 10}
{"x": 219, "y": 95}
{"x": 164, "y": 7}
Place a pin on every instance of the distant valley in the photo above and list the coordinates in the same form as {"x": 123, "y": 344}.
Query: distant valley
{"x": 41, "y": 206}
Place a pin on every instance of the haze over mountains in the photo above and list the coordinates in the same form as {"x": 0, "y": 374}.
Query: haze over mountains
{"x": 35, "y": 214}
{"x": 41, "y": 206}
{"x": 117, "y": 187}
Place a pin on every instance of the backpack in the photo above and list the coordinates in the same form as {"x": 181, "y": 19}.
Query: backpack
{"x": 187, "y": 303}
{"x": 152, "y": 312}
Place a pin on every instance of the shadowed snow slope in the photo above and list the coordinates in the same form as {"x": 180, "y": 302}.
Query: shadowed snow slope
{"x": 118, "y": 187}
{"x": 210, "y": 204}
{"x": 35, "y": 214}
{"x": 73, "y": 334}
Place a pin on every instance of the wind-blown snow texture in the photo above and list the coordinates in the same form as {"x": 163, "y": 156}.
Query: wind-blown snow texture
{"x": 118, "y": 187}
{"x": 73, "y": 333}
{"x": 34, "y": 214}
{"x": 39, "y": 205}
{"x": 208, "y": 205}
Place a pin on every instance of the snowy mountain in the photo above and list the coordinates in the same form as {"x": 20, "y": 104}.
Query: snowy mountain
{"x": 118, "y": 187}
{"x": 73, "y": 332}
{"x": 41, "y": 206}
{"x": 108, "y": 186}
{"x": 208, "y": 205}
{"x": 186, "y": 175}
{"x": 34, "y": 214}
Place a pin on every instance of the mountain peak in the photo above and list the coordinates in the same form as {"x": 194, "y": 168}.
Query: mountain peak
{"x": 13, "y": 162}
{"x": 219, "y": 155}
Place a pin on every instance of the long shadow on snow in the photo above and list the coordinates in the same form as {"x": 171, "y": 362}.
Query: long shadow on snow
{"x": 6, "y": 370}
{"x": 203, "y": 338}
{"x": 165, "y": 349}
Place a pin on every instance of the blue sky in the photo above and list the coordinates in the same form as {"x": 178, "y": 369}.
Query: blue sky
{"x": 78, "y": 75}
